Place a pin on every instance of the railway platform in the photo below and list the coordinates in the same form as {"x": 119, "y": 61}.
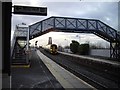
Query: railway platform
{"x": 34, "y": 77}
{"x": 45, "y": 73}
{"x": 114, "y": 63}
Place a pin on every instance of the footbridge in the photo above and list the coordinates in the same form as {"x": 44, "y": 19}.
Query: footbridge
{"x": 62, "y": 24}
{"x": 79, "y": 25}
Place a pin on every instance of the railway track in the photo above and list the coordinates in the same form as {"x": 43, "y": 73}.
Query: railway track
{"x": 85, "y": 77}
{"x": 82, "y": 72}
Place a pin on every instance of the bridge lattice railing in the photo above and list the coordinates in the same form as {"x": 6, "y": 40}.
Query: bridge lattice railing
{"x": 65, "y": 24}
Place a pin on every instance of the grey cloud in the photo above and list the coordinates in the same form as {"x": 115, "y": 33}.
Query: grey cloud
{"x": 96, "y": 10}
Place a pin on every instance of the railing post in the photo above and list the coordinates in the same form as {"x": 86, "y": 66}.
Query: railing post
{"x": 65, "y": 23}
{"x": 76, "y": 24}
{"x": 54, "y": 22}
{"x": 87, "y": 24}
{"x": 41, "y": 26}
{"x": 96, "y": 24}
{"x": 28, "y": 39}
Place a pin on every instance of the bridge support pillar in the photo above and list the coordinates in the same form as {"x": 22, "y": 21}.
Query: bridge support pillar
{"x": 115, "y": 50}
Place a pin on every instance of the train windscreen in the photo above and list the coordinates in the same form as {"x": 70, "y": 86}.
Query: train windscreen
{"x": 54, "y": 46}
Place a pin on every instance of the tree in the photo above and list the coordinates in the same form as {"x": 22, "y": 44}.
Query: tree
{"x": 74, "y": 46}
{"x": 67, "y": 47}
{"x": 83, "y": 49}
{"x": 92, "y": 46}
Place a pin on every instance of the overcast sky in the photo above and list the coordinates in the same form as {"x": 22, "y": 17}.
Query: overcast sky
{"x": 104, "y": 11}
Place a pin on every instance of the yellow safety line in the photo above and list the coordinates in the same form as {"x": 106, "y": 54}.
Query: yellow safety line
{"x": 24, "y": 66}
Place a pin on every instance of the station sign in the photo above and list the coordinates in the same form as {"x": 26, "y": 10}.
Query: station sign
{"x": 28, "y": 10}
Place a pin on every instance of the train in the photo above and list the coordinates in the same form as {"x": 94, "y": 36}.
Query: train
{"x": 51, "y": 48}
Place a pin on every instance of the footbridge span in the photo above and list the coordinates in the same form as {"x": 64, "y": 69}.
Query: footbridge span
{"x": 79, "y": 25}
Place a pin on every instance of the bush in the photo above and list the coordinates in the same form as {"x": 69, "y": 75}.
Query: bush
{"x": 74, "y": 46}
{"x": 83, "y": 49}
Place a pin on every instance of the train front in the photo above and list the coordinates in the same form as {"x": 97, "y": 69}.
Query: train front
{"x": 53, "y": 49}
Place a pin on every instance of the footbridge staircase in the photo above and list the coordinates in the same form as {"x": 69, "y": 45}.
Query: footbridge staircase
{"x": 18, "y": 47}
